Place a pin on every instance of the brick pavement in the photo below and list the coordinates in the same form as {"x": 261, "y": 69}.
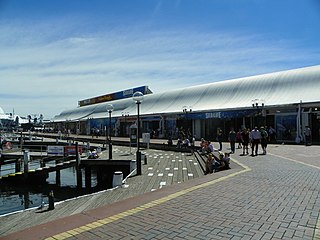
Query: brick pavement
{"x": 274, "y": 196}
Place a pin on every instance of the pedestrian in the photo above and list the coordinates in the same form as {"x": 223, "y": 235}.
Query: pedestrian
{"x": 232, "y": 139}
{"x": 264, "y": 140}
{"x": 307, "y": 136}
{"x": 272, "y": 134}
{"x": 245, "y": 141}
{"x": 239, "y": 139}
{"x": 255, "y": 140}
{"x": 220, "y": 138}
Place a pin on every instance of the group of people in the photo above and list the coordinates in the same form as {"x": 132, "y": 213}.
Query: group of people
{"x": 182, "y": 143}
{"x": 215, "y": 164}
{"x": 244, "y": 138}
{"x": 253, "y": 138}
{"x": 95, "y": 132}
{"x": 92, "y": 154}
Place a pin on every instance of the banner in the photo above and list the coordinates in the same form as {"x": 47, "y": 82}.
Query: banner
{"x": 71, "y": 150}
{"x": 55, "y": 150}
{"x": 114, "y": 96}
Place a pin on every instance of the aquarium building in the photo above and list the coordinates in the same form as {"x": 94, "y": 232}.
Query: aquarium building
{"x": 287, "y": 101}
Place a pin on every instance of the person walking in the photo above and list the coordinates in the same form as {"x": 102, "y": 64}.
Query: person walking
{"x": 232, "y": 137}
{"x": 245, "y": 141}
{"x": 307, "y": 136}
{"x": 264, "y": 140}
{"x": 255, "y": 140}
{"x": 239, "y": 139}
{"x": 220, "y": 138}
{"x": 272, "y": 134}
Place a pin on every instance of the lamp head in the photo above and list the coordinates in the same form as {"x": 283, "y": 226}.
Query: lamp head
{"x": 137, "y": 97}
{"x": 184, "y": 109}
{"x": 109, "y": 108}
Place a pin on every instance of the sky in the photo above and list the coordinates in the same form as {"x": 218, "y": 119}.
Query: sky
{"x": 55, "y": 53}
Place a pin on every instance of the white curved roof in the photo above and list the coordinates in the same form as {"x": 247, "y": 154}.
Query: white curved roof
{"x": 279, "y": 88}
{"x": 1, "y": 111}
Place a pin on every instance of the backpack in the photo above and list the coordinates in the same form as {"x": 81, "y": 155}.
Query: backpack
{"x": 264, "y": 134}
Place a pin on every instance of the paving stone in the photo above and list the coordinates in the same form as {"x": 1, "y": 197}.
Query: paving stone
{"x": 277, "y": 199}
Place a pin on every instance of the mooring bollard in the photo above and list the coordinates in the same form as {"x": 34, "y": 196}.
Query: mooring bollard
{"x": 145, "y": 159}
{"x": 51, "y": 200}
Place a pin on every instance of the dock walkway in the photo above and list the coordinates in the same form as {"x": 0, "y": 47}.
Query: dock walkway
{"x": 273, "y": 196}
{"x": 163, "y": 169}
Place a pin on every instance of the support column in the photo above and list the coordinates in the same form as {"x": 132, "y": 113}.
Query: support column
{"x": 88, "y": 177}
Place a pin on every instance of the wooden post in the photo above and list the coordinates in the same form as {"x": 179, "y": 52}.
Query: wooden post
{"x": 18, "y": 166}
{"x": 42, "y": 163}
{"x": 58, "y": 177}
{"x": 78, "y": 170}
{"x": 21, "y": 141}
{"x": 26, "y": 159}
{"x": 26, "y": 199}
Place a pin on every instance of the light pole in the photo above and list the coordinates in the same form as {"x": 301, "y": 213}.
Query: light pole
{"x": 137, "y": 98}
{"x": 185, "y": 110}
{"x": 259, "y": 105}
{"x": 110, "y": 109}
{"x": 125, "y": 115}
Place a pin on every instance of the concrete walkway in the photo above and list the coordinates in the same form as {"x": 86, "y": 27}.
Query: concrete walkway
{"x": 274, "y": 196}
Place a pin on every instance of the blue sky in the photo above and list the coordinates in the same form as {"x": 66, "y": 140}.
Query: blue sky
{"x": 55, "y": 53}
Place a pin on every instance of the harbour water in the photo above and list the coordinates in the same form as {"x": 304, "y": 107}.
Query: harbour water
{"x": 17, "y": 197}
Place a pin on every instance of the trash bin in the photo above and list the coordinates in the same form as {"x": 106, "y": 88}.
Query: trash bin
{"x": 117, "y": 179}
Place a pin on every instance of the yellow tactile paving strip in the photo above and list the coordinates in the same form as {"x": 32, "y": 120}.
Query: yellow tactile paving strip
{"x": 101, "y": 222}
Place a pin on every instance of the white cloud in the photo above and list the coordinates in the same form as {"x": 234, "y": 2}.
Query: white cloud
{"x": 50, "y": 75}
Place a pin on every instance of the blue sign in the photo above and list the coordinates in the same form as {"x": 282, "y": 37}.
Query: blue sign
{"x": 219, "y": 114}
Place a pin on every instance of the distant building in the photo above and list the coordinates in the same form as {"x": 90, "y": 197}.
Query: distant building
{"x": 9, "y": 121}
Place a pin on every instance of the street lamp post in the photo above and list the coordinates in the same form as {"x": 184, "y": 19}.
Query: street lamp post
{"x": 259, "y": 105}
{"x": 110, "y": 109}
{"x": 137, "y": 98}
{"x": 125, "y": 115}
{"x": 186, "y": 110}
